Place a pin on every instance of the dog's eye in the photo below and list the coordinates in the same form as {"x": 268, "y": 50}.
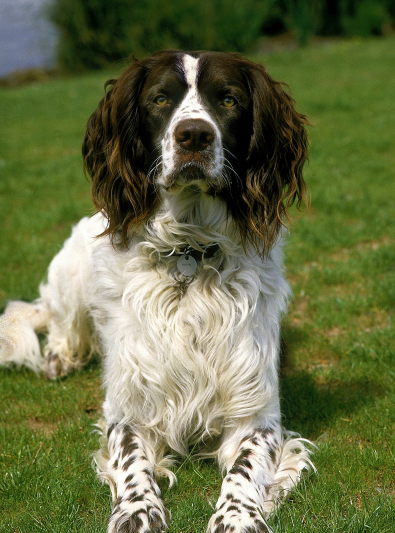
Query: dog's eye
{"x": 228, "y": 101}
{"x": 161, "y": 100}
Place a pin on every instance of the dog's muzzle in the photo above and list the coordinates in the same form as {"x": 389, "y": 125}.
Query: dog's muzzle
{"x": 192, "y": 154}
{"x": 195, "y": 150}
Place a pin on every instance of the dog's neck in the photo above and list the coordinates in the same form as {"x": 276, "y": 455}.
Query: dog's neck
{"x": 191, "y": 217}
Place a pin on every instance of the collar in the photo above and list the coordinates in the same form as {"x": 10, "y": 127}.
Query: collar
{"x": 206, "y": 252}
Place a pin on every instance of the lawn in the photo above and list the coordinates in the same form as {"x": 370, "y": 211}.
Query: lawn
{"x": 338, "y": 369}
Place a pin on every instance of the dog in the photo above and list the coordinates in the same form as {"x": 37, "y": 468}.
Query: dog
{"x": 195, "y": 159}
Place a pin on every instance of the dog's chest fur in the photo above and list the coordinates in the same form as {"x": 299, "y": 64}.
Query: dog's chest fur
{"x": 174, "y": 348}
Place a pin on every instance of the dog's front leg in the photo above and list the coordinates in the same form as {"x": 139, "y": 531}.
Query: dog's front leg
{"x": 137, "y": 505}
{"x": 260, "y": 471}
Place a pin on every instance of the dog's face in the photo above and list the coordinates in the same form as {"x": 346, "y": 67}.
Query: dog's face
{"x": 196, "y": 121}
{"x": 213, "y": 120}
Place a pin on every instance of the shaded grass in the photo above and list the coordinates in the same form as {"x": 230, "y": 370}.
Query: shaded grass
{"x": 338, "y": 367}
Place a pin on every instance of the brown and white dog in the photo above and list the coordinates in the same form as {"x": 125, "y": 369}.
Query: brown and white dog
{"x": 195, "y": 159}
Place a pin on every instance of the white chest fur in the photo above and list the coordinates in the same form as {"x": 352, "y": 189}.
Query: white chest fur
{"x": 195, "y": 360}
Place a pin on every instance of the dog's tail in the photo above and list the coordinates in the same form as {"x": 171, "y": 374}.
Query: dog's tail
{"x": 19, "y": 326}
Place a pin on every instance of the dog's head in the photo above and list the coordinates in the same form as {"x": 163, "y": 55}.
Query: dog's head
{"x": 215, "y": 121}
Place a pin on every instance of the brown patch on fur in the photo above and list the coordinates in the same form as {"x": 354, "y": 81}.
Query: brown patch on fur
{"x": 114, "y": 155}
{"x": 278, "y": 151}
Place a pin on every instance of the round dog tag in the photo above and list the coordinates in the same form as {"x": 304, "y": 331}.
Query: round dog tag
{"x": 186, "y": 265}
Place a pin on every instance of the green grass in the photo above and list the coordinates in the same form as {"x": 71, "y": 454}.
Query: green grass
{"x": 338, "y": 370}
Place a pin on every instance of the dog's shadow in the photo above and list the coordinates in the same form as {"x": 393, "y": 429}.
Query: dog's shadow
{"x": 311, "y": 405}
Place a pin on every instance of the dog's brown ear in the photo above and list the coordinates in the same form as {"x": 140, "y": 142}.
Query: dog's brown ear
{"x": 114, "y": 155}
{"x": 277, "y": 153}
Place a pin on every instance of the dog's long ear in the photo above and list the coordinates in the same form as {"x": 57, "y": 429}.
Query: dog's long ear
{"x": 115, "y": 157}
{"x": 277, "y": 153}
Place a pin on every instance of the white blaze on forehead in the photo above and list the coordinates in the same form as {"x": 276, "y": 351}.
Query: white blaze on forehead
{"x": 192, "y": 104}
{"x": 190, "y": 70}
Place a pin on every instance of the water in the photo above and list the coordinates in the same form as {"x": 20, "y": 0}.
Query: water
{"x": 27, "y": 39}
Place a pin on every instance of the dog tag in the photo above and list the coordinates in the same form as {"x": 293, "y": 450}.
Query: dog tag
{"x": 186, "y": 265}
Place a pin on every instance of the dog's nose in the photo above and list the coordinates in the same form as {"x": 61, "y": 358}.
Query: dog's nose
{"x": 194, "y": 135}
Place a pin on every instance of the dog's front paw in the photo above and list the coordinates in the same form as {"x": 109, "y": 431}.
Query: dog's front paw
{"x": 55, "y": 368}
{"x": 236, "y": 517}
{"x": 140, "y": 516}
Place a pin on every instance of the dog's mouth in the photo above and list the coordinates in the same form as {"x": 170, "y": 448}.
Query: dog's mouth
{"x": 196, "y": 174}
{"x": 193, "y": 171}
{"x": 187, "y": 174}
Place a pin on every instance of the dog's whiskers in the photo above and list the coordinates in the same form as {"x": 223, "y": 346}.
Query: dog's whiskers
{"x": 229, "y": 152}
{"x": 154, "y": 166}
{"x": 154, "y": 170}
{"x": 227, "y": 166}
